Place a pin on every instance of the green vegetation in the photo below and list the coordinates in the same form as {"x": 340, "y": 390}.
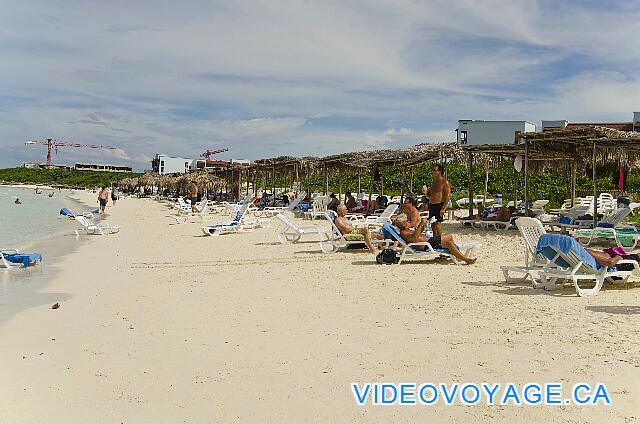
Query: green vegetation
{"x": 61, "y": 177}
{"x": 549, "y": 184}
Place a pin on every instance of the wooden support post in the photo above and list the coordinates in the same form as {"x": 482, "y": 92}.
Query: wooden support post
{"x": 595, "y": 186}
{"x": 515, "y": 186}
{"x": 573, "y": 182}
{"x": 404, "y": 173}
{"x": 273, "y": 184}
{"x": 326, "y": 181}
{"x": 373, "y": 173}
{"x": 526, "y": 177}
{"x": 470, "y": 183}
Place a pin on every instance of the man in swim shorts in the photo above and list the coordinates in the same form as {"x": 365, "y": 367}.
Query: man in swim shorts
{"x": 439, "y": 196}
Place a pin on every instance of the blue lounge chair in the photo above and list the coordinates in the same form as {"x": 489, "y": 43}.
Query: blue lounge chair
{"x": 13, "y": 258}
{"x": 409, "y": 250}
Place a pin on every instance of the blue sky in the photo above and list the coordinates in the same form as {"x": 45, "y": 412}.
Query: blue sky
{"x": 266, "y": 78}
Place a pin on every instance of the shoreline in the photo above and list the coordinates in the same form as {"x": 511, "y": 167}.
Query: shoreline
{"x": 26, "y": 288}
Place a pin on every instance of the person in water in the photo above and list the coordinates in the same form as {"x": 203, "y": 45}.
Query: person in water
{"x": 17, "y": 202}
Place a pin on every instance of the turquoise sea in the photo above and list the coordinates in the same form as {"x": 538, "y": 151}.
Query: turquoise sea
{"x": 35, "y": 219}
{"x": 34, "y": 225}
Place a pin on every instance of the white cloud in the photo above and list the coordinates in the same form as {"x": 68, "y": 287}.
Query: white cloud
{"x": 270, "y": 77}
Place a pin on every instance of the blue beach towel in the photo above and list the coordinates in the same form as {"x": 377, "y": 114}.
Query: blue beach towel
{"x": 23, "y": 258}
{"x": 66, "y": 212}
{"x": 564, "y": 244}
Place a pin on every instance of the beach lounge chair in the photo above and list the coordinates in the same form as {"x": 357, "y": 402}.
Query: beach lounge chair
{"x": 318, "y": 208}
{"x": 335, "y": 240}
{"x": 568, "y": 260}
{"x": 71, "y": 215}
{"x": 531, "y": 230}
{"x": 409, "y": 250}
{"x": 384, "y": 217}
{"x": 13, "y": 258}
{"x": 92, "y": 228}
{"x": 609, "y": 228}
{"x": 292, "y": 232}
{"x": 184, "y": 212}
{"x": 566, "y": 221}
{"x": 238, "y": 224}
{"x": 271, "y": 211}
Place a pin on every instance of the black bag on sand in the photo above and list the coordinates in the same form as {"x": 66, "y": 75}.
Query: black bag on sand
{"x": 387, "y": 256}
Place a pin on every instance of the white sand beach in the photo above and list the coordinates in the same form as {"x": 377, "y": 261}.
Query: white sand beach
{"x": 161, "y": 324}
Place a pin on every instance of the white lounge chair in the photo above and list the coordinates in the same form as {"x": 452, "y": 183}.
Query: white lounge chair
{"x": 292, "y": 232}
{"x": 335, "y": 239}
{"x": 238, "y": 224}
{"x": 384, "y": 217}
{"x": 318, "y": 208}
{"x": 410, "y": 251}
{"x": 92, "y": 228}
{"x": 609, "y": 228}
{"x": 568, "y": 260}
{"x": 184, "y": 213}
{"x": 271, "y": 211}
{"x": 12, "y": 258}
{"x": 531, "y": 229}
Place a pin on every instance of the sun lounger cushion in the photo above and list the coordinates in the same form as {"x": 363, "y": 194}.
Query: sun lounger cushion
{"x": 625, "y": 235}
{"x": 564, "y": 244}
{"x": 565, "y": 220}
{"x": 23, "y": 258}
{"x": 66, "y": 212}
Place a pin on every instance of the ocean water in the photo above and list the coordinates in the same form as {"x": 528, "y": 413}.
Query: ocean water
{"x": 37, "y": 218}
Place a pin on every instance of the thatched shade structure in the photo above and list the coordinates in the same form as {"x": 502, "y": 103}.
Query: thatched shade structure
{"x": 569, "y": 149}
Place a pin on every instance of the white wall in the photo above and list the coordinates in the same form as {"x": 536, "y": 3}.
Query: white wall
{"x": 492, "y": 132}
{"x": 171, "y": 165}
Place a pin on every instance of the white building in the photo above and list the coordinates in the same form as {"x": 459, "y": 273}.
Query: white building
{"x": 163, "y": 164}
{"x": 476, "y": 131}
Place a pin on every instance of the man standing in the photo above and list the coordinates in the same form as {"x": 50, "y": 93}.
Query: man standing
{"x": 439, "y": 196}
{"x": 192, "y": 193}
{"x": 103, "y": 198}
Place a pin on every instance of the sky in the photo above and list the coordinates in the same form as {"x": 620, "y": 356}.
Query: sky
{"x": 270, "y": 78}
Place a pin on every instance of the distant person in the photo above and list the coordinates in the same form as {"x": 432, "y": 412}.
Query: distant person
{"x": 52, "y": 193}
{"x": 103, "y": 198}
{"x": 382, "y": 201}
{"x": 17, "y": 202}
{"x": 114, "y": 195}
{"x": 349, "y": 200}
{"x": 333, "y": 203}
{"x": 192, "y": 193}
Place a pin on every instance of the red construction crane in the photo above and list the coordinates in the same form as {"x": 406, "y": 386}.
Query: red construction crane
{"x": 50, "y": 143}
{"x": 208, "y": 153}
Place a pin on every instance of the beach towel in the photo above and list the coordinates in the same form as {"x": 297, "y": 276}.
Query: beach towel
{"x": 564, "y": 244}
{"x": 66, "y": 212}
{"x": 23, "y": 258}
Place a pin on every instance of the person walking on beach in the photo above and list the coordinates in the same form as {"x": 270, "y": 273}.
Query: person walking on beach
{"x": 103, "y": 198}
{"x": 192, "y": 193}
{"x": 114, "y": 195}
{"x": 439, "y": 196}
